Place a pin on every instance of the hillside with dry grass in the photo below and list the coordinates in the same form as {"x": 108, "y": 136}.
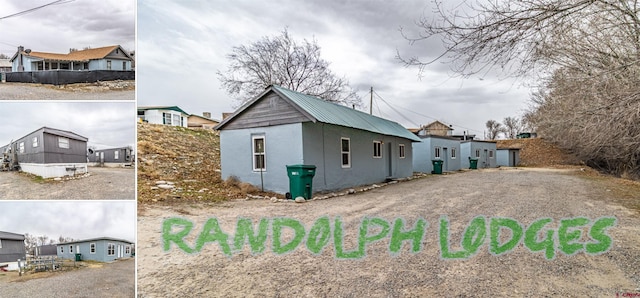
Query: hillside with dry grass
{"x": 538, "y": 152}
{"x": 182, "y": 164}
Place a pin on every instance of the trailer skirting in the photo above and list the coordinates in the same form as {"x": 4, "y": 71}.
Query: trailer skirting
{"x": 52, "y": 170}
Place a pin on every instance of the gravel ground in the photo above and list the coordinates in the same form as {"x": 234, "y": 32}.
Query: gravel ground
{"x": 102, "y": 184}
{"x": 116, "y": 279}
{"x": 521, "y": 194}
{"x": 23, "y": 91}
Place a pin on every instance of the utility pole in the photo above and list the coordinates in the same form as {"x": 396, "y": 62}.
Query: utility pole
{"x": 371, "y": 102}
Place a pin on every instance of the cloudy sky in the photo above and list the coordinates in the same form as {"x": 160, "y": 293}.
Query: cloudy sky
{"x": 181, "y": 45}
{"x": 67, "y": 24}
{"x": 77, "y": 219}
{"x": 106, "y": 124}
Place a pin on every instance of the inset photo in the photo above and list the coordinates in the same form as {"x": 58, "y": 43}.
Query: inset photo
{"x": 68, "y": 151}
{"x": 69, "y": 50}
{"x": 67, "y": 249}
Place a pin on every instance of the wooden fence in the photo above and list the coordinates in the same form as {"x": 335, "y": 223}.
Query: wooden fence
{"x": 39, "y": 264}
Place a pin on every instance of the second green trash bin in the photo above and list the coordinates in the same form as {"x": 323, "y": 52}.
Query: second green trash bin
{"x": 78, "y": 257}
{"x": 437, "y": 166}
{"x": 473, "y": 163}
{"x": 300, "y": 181}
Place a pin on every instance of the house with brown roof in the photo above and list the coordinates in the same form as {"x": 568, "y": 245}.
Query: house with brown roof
{"x": 104, "y": 58}
{"x": 437, "y": 128}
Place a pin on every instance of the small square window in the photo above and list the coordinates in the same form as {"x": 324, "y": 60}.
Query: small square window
{"x": 111, "y": 249}
{"x": 401, "y": 150}
{"x": 63, "y": 143}
{"x": 92, "y": 248}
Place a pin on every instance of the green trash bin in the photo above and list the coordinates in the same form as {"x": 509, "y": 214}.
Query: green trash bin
{"x": 78, "y": 257}
{"x": 437, "y": 166}
{"x": 473, "y": 163}
{"x": 300, "y": 181}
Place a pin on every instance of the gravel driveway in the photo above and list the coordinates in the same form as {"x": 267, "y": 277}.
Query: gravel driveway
{"x": 523, "y": 195}
{"x": 116, "y": 279}
{"x": 24, "y": 91}
{"x": 102, "y": 184}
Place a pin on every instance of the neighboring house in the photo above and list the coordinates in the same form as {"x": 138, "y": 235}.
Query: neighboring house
{"x": 50, "y": 152}
{"x": 282, "y": 127}
{"x": 483, "y": 151}
{"x": 45, "y": 250}
{"x": 508, "y": 157}
{"x": 5, "y": 65}
{"x": 433, "y": 147}
{"x": 204, "y": 121}
{"x": 103, "y": 249}
{"x": 112, "y": 157}
{"x": 12, "y": 249}
{"x": 167, "y": 115}
{"x": 437, "y": 128}
{"x": 104, "y": 58}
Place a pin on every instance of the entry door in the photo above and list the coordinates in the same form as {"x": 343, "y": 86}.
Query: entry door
{"x": 445, "y": 160}
{"x": 486, "y": 158}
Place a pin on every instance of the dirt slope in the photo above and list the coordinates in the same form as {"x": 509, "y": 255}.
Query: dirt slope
{"x": 539, "y": 153}
{"x": 189, "y": 159}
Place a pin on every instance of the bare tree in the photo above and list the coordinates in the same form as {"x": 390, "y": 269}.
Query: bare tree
{"x": 3, "y": 56}
{"x": 494, "y": 128}
{"x": 511, "y": 127}
{"x": 281, "y": 60}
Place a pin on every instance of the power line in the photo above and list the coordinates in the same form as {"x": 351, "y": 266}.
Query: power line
{"x": 401, "y": 115}
{"x": 57, "y": 2}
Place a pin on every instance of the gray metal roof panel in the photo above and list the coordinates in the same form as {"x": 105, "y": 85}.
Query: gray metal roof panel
{"x": 332, "y": 113}
{"x": 11, "y": 236}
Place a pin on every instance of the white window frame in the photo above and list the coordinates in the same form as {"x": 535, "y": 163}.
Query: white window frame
{"x": 437, "y": 152}
{"x": 71, "y": 248}
{"x": 176, "y": 120}
{"x": 348, "y": 153}
{"x": 61, "y": 249}
{"x": 255, "y": 154}
{"x": 108, "y": 64}
{"x": 478, "y": 153}
{"x": 491, "y": 155}
{"x": 164, "y": 118}
{"x": 21, "y": 147}
{"x": 34, "y": 142}
{"x": 111, "y": 248}
{"x": 401, "y": 151}
{"x": 453, "y": 153}
{"x": 0, "y": 243}
{"x": 92, "y": 248}
{"x": 63, "y": 143}
{"x": 115, "y": 154}
{"x": 127, "y": 249}
{"x": 377, "y": 149}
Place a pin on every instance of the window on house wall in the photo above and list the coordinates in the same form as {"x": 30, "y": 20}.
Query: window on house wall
{"x": 70, "y": 249}
{"x": 259, "y": 161}
{"x": 401, "y": 150}
{"x": 453, "y": 153}
{"x": 345, "y": 151}
{"x": 34, "y": 142}
{"x": 166, "y": 118}
{"x": 108, "y": 64}
{"x": 377, "y": 149}
{"x": 477, "y": 152}
{"x": 127, "y": 249}
{"x": 61, "y": 249}
{"x": 124, "y": 65}
{"x": 92, "y": 248}
{"x": 0, "y": 243}
{"x": 111, "y": 249}
{"x": 21, "y": 147}
{"x": 490, "y": 153}
{"x": 436, "y": 152}
{"x": 63, "y": 143}
{"x": 176, "y": 120}
{"x": 115, "y": 154}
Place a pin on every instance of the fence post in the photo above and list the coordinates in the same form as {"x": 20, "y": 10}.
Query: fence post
{"x": 19, "y": 268}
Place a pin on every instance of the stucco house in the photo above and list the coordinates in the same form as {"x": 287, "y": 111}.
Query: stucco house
{"x": 103, "y": 58}
{"x": 111, "y": 157}
{"x": 437, "y": 128}
{"x": 12, "y": 249}
{"x": 167, "y": 115}
{"x": 436, "y": 147}
{"x": 5, "y": 65}
{"x": 50, "y": 152}
{"x": 483, "y": 151}
{"x": 282, "y": 127}
{"x": 103, "y": 249}
{"x": 508, "y": 157}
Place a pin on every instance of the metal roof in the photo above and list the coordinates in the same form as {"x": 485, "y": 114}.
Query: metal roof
{"x": 172, "y": 108}
{"x": 64, "y": 133}
{"x": 326, "y": 112}
{"x": 96, "y": 239}
{"x": 11, "y": 236}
